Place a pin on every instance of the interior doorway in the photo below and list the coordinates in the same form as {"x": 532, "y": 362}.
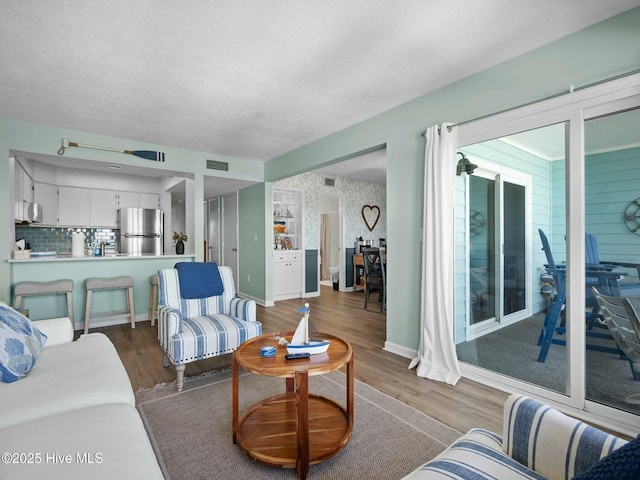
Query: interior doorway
{"x": 230, "y": 234}
{"x": 213, "y": 230}
{"x": 330, "y": 244}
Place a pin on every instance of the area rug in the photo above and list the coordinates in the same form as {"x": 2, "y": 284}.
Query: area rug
{"x": 191, "y": 431}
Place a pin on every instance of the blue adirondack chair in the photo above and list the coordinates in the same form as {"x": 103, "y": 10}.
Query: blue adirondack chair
{"x": 613, "y": 284}
{"x": 602, "y": 276}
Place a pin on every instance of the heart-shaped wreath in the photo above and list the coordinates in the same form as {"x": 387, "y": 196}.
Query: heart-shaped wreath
{"x": 370, "y": 215}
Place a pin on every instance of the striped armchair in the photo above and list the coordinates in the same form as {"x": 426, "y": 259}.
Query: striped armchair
{"x": 538, "y": 443}
{"x": 191, "y": 329}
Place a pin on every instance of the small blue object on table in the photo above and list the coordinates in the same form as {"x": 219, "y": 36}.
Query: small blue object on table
{"x": 267, "y": 351}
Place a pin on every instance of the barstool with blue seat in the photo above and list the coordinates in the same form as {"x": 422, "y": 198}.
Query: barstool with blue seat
{"x": 114, "y": 283}
{"x": 54, "y": 287}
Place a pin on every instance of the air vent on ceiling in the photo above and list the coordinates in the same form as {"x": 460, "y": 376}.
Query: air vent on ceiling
{"x": 216, "y": 165}
{"x": 329, "y": 182}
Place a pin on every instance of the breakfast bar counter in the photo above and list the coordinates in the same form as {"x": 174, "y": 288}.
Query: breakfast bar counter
{"x": 63, "y": 257}
{"x": 56, "y": 267}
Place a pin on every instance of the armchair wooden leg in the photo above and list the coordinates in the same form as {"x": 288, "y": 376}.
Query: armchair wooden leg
{"x": 180, "y": 376}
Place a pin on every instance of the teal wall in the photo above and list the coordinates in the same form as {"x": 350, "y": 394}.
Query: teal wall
{"x": 602, "y": 51}
{"x": 254, "y": 251}
{"x": 611, "y": 182}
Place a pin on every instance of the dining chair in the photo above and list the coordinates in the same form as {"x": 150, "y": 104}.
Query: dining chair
{"x": 374, "y": 271}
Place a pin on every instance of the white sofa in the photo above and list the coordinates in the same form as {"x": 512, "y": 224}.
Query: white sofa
{"x": 73, "y": 415}
{"x": 538, "y": 442}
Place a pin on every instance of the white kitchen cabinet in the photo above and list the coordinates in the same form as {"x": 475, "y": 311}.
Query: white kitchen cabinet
{"x": 127, "y": 199}
{"x": 287, "y": 274}
{"x": 74, "y": 206}
{"x": 103, "y": 208}
{"x": 47, "y": 196}
{"x": 18, "y": 187}
{"x": 138, "y": 200}
{"x": 23, "y": 192}
{"x": 148, "y": 200}
{"x": 27, "y": 188}
{"x": 105, "y": 205}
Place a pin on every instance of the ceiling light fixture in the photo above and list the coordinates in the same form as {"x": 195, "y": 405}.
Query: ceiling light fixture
{"x": 465, "y": 167}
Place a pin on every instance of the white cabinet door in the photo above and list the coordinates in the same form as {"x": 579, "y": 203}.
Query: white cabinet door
{"x": 127, "y": 199}
{"x": 149, "y": 200}
{"x": 295, "y": 278}
{"x": 18, "y": 192}
{"x": 103, "y": 208}
{"x": 280, "y": 283}
{"x": 23, "y": 192}
{"x": 74, "y": 206}
{"x": 47, "y": 196}
{"x": 141, "y": 200}
{"x": 287, "y": 275}
{"x": 27, "y": 190}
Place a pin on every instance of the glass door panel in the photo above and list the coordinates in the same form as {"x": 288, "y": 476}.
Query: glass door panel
{"x": 518, "y": 188}
{"x": 612, "y": 224}
{"x": 482, "y": 250}
{"x": 514, "y": 248}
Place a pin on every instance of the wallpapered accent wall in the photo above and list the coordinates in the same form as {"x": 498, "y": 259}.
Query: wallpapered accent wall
{"x": 355, "y": 194}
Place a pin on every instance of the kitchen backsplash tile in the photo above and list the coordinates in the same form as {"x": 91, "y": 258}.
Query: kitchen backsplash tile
{"x": 58, "y": 239}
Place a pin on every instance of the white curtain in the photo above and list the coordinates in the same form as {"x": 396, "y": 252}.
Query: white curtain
{"x": 437, "y": 358}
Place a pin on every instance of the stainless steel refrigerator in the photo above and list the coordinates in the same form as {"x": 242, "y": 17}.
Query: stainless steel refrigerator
{"x": 141, "y": 231}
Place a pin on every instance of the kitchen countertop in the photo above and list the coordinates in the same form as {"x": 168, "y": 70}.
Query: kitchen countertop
{"x": 108, "y": 257}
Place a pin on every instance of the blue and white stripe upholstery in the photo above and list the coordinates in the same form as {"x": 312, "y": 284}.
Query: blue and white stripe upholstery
{"x": 476, "y": 455}
{"x": 194, "y": 329}
{"x": 551, "y": 443}
{"x": 538, "y": 442}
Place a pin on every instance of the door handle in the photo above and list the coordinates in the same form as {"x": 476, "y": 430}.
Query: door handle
{"x": 234, "y": 249}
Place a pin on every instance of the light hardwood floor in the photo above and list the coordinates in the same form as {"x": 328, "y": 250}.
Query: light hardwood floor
{"x": 462, "y": 407}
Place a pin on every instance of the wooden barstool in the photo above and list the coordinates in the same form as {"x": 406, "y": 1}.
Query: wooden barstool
{"x": 153, "y": 299}
{"x": 54, "y": 287}
{"x": 113, "y": 283}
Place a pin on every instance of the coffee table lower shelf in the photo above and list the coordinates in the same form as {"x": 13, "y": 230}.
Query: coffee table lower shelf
{"x": 267, "y": 431}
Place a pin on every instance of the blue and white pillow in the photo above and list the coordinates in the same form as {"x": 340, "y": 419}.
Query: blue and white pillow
{"x": 20, "y": 344}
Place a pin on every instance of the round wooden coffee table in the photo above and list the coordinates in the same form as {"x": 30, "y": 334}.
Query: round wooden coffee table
{"x": 275, "y": 431}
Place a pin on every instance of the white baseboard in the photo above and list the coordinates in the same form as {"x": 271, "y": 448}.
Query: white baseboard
{"x": 400, "y": 350}
{"x": 258, "y": 301}
{"x": 110, "y": 321}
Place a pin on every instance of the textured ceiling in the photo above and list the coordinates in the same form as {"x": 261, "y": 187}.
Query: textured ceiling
{"x": 255, "y": 79}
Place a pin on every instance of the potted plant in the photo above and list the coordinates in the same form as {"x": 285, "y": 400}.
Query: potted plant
{"x": 178, "y": 240}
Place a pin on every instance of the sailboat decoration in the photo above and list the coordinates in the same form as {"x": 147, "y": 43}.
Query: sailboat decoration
{"x": 300, "y": 342}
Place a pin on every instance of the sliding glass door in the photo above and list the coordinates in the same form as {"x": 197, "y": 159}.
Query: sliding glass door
{"x": 548, "y": 337}
{"x": 498, "y": 245}
{"x": 508, "y": 198}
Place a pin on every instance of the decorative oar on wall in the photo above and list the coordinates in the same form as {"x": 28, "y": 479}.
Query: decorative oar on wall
{"x": 146, "y": 154}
